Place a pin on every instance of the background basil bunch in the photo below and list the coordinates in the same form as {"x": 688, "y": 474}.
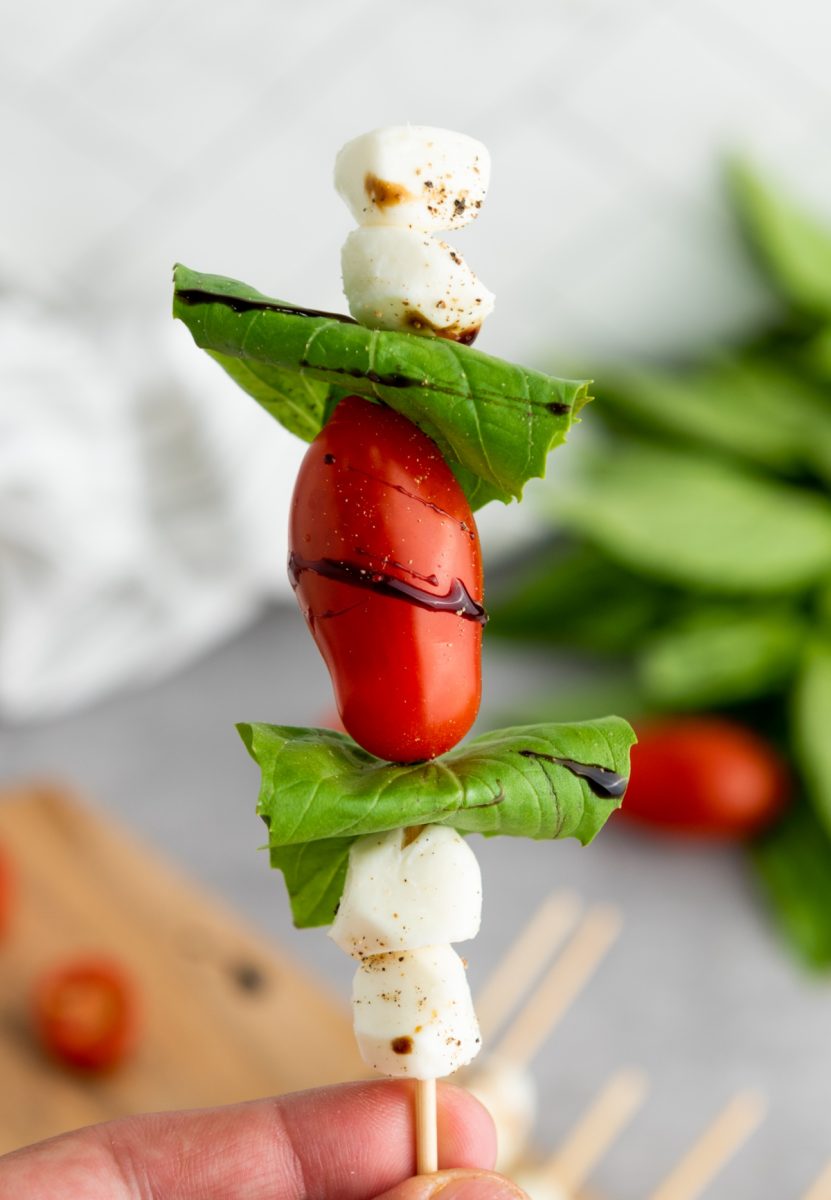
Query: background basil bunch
{"x": 695, "y": 567}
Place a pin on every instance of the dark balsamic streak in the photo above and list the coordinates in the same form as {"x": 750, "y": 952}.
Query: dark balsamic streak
{"x": 456, "y": 600}
{"x": 602, "y": 780}
{"x": 239, "y": 304}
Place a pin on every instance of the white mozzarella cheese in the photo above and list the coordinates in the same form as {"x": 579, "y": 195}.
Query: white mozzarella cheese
{"x": 508, "y": 1093}
{"x": 413, "y": 1014}
{"x": 404, "y": 891}
{"x": 413, "y": 177}
{"x": 398, "y": 279}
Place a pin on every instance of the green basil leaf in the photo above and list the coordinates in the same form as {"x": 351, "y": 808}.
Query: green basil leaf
{"x": 297, "y": 402}
{"x": 793, "y": 862}
{"x": 314, "y": 874}
{"x": 721, "y": 655}
{"x": 811, "y": 726}
{"x": 319, "y": 791}
{"x": 493, "y": 421}
{"x": 793, "y": 246}
{"x": 699, "y": 522}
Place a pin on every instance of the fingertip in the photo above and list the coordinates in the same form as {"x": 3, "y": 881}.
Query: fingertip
{"x": 456, "y": 1185}
{"x": 467, "y": 1135}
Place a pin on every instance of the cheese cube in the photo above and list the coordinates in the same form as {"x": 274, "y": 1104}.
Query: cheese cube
{"x": 413, "y": 177}
{"x": 413, "y": 1014}
{"x": 406, "y": 889}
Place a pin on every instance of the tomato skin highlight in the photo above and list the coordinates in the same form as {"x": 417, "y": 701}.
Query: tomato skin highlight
{"x": 85, "y": 1014}
{"x": 375, "y": 497}
{"x": 705, "y": 777}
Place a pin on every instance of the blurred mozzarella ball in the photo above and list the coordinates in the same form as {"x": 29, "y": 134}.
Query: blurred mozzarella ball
{"x": 508, "y": 1093}
{"x": 538, "y": 1185}
{"x": 413, "y": 177}
{"x": 413, "y": 1014}
{"x": 397, "y": 279}
{"x": 403, "y": 892}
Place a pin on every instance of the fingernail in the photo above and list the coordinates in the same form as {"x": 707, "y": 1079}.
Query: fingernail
{"x": 479, "y": 1187}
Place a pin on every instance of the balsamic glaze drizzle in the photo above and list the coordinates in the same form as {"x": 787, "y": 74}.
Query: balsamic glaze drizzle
{"x": 240, "y": 304}
{"x": 602, "y": 780}
{"x": 456, "y": 600}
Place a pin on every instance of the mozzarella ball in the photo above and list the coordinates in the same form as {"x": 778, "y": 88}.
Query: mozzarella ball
{"x": 404, "y": 892}
{"x": 413, "y": 1014}
{"x": 397, "y": 279}
{"x": 508, "y": 1093}
{"x": 413, "y": 177}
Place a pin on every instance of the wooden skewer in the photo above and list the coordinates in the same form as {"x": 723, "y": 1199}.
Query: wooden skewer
{"x": 821, "y": 1188}
{"x": 605, "y": 1120}
{"x": 427, "y": 1144}
{"x": 560, "y": 986}
{"x": 714, "y": 1148}
{"x": 514, "y": 974}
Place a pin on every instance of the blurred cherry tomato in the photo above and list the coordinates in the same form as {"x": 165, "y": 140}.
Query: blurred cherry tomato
{"x": 6, "y": 891}
{"x": 705, "y": 776}
{"x": 385, "y": 562}
{"x": 85, "y": 1014}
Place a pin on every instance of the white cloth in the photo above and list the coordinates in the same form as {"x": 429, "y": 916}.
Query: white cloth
{"x": 143, "y": 503}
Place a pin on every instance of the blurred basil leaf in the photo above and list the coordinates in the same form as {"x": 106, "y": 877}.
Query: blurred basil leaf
{"x": 811, "y": 725}
{"x": 793, "y": 246}
{"x": 494, "y": 422}
{"x": 721, "y": 655}
{"x": 748, "y": 406}
{"x": 699, "y": 522}
{"x": 573, "y": 597}
{"x": 793, "y": 862}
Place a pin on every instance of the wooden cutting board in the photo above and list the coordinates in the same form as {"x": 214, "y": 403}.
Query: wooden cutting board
{"x": 226, "y": 1015}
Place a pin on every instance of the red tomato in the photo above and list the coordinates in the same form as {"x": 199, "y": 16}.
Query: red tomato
{"x": 705, "y": 776}
{"x": 85, "y": 1014}
{"x": 6, "y": 889}
{"x": 385, "y": 561}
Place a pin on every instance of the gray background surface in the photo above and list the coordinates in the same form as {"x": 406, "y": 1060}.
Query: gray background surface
{"x": 697, "y": 991}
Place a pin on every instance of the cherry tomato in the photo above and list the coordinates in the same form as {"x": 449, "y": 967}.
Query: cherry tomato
{"x": 85, "y": 1014}
{"x": 385, "y": 561}
{"x": 6, "y": 890}
{"x": 705, "y": 776}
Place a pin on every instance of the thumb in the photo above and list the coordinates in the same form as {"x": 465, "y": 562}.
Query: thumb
{"x": 456, "y": 1185}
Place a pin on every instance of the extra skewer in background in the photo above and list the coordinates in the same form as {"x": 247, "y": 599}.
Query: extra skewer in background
{"x": 820, "y": 1189}
{"x": 599, "y": 1126}
{"x": 514, "y": 975}
{"x": 560, "y": 986}
{"x": 713, "y": 1150}
{"x": 502, "y": 1079}
{"x": 565, "y": 1172}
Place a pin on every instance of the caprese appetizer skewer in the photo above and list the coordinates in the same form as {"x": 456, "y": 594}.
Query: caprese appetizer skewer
{"x": 410, "y": 431}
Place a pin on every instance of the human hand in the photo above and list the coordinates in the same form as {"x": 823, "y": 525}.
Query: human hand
{"x": 355, "y": 1141}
